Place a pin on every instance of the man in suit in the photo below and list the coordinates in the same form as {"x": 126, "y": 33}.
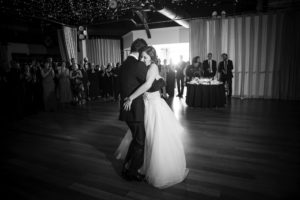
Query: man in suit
{"x": 209, "y": 67}
{"x": 170, "y": 83}
{"x": 180, "y": 76}
{"x": 133, "y": 74}
{"x": 225, "y": 72}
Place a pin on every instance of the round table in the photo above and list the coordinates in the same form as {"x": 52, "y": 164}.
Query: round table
{"x": 205, "y": 95}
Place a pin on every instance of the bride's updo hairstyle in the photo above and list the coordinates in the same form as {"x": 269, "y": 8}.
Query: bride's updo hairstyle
{"x": 151, "y": 52}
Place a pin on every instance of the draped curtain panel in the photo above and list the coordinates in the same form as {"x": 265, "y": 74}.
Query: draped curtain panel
{"x": 67, "y": 39}
{"x": 62, "y": 46}
{"x": 263, "y": 49}
{"x": 103, "y": 51}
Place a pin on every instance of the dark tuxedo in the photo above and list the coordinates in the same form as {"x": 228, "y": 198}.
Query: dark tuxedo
{"x": 170, "y": 81}
{"x": 180, "y": 78}
{"x": 206, "y": 68}
{"x": 225, "y": 69}
{"x": 132, "y": 75}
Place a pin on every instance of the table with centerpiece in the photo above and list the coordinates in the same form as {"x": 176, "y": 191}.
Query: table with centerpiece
{"x": 204, "y": 92}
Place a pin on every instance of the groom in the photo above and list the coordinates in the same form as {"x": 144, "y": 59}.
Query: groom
{"x": 133, "y": 74}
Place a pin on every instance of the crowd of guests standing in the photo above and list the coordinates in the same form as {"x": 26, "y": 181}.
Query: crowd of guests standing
{"x": 46, "y": 85}
{"x": 35, "y": 86}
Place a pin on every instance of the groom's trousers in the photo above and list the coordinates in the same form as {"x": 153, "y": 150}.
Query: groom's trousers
{"x": 135, "y": 154}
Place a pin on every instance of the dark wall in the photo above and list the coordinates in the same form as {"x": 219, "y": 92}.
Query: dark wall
{"x": 29, "y": 32}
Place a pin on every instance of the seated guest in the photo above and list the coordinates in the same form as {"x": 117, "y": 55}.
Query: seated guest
{"x": 193, "y": 70}
{"x": 209, "y": 67}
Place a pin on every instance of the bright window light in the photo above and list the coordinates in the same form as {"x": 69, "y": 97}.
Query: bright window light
{"x": 172, "y": 52}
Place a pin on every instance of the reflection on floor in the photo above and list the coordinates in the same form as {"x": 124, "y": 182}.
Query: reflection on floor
{"x": 247, "y": 150}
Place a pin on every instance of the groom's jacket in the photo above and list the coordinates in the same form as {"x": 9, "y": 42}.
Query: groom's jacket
{"x": 132, "y": 75}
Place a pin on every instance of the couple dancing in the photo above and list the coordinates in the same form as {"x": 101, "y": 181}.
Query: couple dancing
{"x": 152, "y": 149}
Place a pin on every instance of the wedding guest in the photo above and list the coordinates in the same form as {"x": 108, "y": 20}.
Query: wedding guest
{"x": 77, "y": 85}
{"x": 64, "y": 85}
{"x": 180, "y": 76}
{"x": 225, "y": 72}
{"x": 93, "y": 82}
{"x": 56, "y": 81}
{"x": 170, "y": 85}
{"x": 97, "y": 68}
{"x": 193, "y": 70}
{"x": 48, "y": 87}
{"x": 83, "y": 68}
{"x": 28, "y": 89}
{"x": 116, "y": 81}
{"x": 163, "y": 73}
{"x": 86, "y": 63}
{"x": 209, "y": 67}
{"x": 101, "y": 80}
{"x": 108, "y": 84}
{"x": 50, "y": 61}
{"x": 37, "y": 86}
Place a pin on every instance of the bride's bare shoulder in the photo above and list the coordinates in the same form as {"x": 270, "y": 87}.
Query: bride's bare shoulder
{"x": 153, "y": 67}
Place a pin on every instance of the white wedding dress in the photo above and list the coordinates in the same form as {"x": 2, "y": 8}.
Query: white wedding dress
{"x": 164, "y": 158}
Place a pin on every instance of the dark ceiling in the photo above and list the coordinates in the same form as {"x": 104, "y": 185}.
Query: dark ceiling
{"x": 114, "y": 18}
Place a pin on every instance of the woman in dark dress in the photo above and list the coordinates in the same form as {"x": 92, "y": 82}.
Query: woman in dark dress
{"x": 64, "y": 85}
{"x": 28, "y": 89}
{"x": 116, "y": 81}
{"x": 48, "y": 87}
{"x": 110, "y": 86}
{"x": 93, "y": 77}
{"x": 107, "y": 83}
{"x": 101, "y": 75}
{"x": 83, "y": 68}
{"x": 37, "y": 86}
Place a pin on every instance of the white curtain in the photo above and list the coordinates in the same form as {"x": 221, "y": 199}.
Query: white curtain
{"x": 262, "y": 68}
{"x": 126, "y": 53}
{"x": 103, "y": 51}
{"x": 67, "y": 39}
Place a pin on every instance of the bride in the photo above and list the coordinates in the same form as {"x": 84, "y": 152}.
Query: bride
{"x": 164, "y": 159}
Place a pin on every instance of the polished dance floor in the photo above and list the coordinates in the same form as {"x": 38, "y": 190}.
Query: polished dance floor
{"x": 246, "y": 150}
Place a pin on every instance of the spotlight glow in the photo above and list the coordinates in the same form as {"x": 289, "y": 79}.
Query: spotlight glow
{"x": 172, "y": 52}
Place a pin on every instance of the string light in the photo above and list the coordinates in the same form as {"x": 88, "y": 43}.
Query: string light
{"x": 77, "y": 12}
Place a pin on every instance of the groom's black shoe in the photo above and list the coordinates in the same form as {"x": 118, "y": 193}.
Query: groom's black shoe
{"x": 129, "y": 177}
{"x": 125, "y": 174}
{"x": 139, "y": 177}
